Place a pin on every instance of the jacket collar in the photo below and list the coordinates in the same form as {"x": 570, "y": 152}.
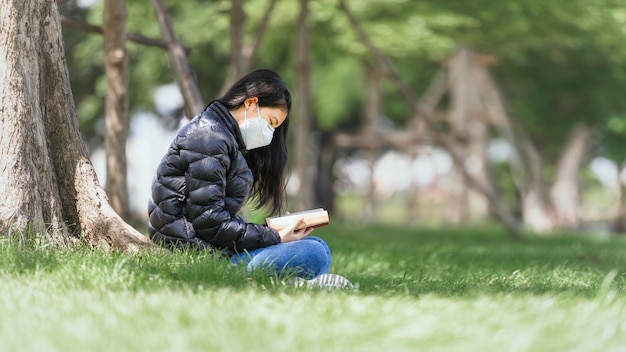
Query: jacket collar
{"x": 223, "y": 115}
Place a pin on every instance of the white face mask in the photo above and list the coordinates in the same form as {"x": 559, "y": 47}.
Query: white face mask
{"x": 257, "y": 132}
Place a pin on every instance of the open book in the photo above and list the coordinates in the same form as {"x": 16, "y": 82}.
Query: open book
{"x": 312, "y": 218}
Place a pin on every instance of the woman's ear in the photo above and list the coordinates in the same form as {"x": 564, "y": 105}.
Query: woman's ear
{"x": 252, "y": 101}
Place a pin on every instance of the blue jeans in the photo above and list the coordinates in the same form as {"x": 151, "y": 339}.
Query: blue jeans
{"x": 307, "y": 258}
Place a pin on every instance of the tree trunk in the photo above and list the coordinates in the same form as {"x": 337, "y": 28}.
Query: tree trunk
{"x": 47, "y": 181}
{"x": 525, "y": 164}
{"x": 467, "y": 117}
{"x": 460, "y": 100}
{"x": 248, "y": 52}
{"x": 565, "y": 190}
{"x": 536, "y": 209}
{"x": 242, "y": 55}
{"x": 237, "y": 29}
{"x": 303, "y": 111}
{"x": 618, "y": 213}
{"x": 116, "y": 107}
{"x": 73, "y": 23}
{"x": 441, "y": 139}
{"x": 325, "y": 178}
{"x": 178, "y": 60}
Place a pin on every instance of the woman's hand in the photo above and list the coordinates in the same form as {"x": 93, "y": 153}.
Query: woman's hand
{"x": 289, "y": 234}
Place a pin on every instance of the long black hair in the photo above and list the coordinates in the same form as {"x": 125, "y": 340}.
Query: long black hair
{"x": 268, "y": 164}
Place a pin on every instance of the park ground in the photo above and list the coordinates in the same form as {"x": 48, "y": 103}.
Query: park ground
{"x": 417, "y": 289}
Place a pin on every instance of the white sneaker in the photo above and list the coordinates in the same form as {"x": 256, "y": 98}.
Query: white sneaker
{"x": 330, "y": 281}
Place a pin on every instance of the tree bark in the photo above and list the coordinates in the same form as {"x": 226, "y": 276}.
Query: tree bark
{"x": 467, "y": 117}
{"x": 302, "y": 121}
{"x": 442, "y": 140}
{"x": 461, "y": 99}
{"x": 618, "y": 221}
{"x": 237, "y": 30}
{"x": 180, "y": 65}
{"x": 133, "y": 37}
{"x": 47, "y": 182}
{"x": 250, "y": 51}
{"x": 525, "y": 163}
{"x": 116, "y": 107}
{"x": 242, "y": 55}
{"x": 565, "y": 190}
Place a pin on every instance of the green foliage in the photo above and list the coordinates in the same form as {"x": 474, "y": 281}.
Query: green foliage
{"x": 558, "y": 62}
{"x": 418, "y": 288}
{"x": 342, "y": 80}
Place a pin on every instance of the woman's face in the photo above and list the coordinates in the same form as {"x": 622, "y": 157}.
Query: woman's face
{"x": 274, "y": 115}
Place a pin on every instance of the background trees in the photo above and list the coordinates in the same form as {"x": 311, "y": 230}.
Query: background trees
{"x": 558, "y": 67}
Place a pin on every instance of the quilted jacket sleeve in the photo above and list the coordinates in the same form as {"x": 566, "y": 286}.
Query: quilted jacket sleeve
{"x": 212, "y": 159}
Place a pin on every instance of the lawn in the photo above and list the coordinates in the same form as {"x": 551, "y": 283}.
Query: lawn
{"x": 418, "y": 289}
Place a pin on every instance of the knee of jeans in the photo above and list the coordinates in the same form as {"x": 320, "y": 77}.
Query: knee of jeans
{"x": 319, "y": 258}
{"x": 320, "y": 241}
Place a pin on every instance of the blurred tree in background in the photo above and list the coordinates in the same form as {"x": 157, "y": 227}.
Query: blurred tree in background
{"x": 559, "y": 63}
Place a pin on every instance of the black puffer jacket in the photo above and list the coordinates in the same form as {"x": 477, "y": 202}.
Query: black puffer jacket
{"x": 200, "y": 186}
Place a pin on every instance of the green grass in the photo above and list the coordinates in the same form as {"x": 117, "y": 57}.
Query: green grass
{"x": 418, "y": 289}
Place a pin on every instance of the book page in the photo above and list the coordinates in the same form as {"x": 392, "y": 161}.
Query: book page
{"x": 312, "y": 218}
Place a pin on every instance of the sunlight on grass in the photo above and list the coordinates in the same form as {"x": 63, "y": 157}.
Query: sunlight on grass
{"x": 417, "y": 289}
{"x": 226, "y": 319}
